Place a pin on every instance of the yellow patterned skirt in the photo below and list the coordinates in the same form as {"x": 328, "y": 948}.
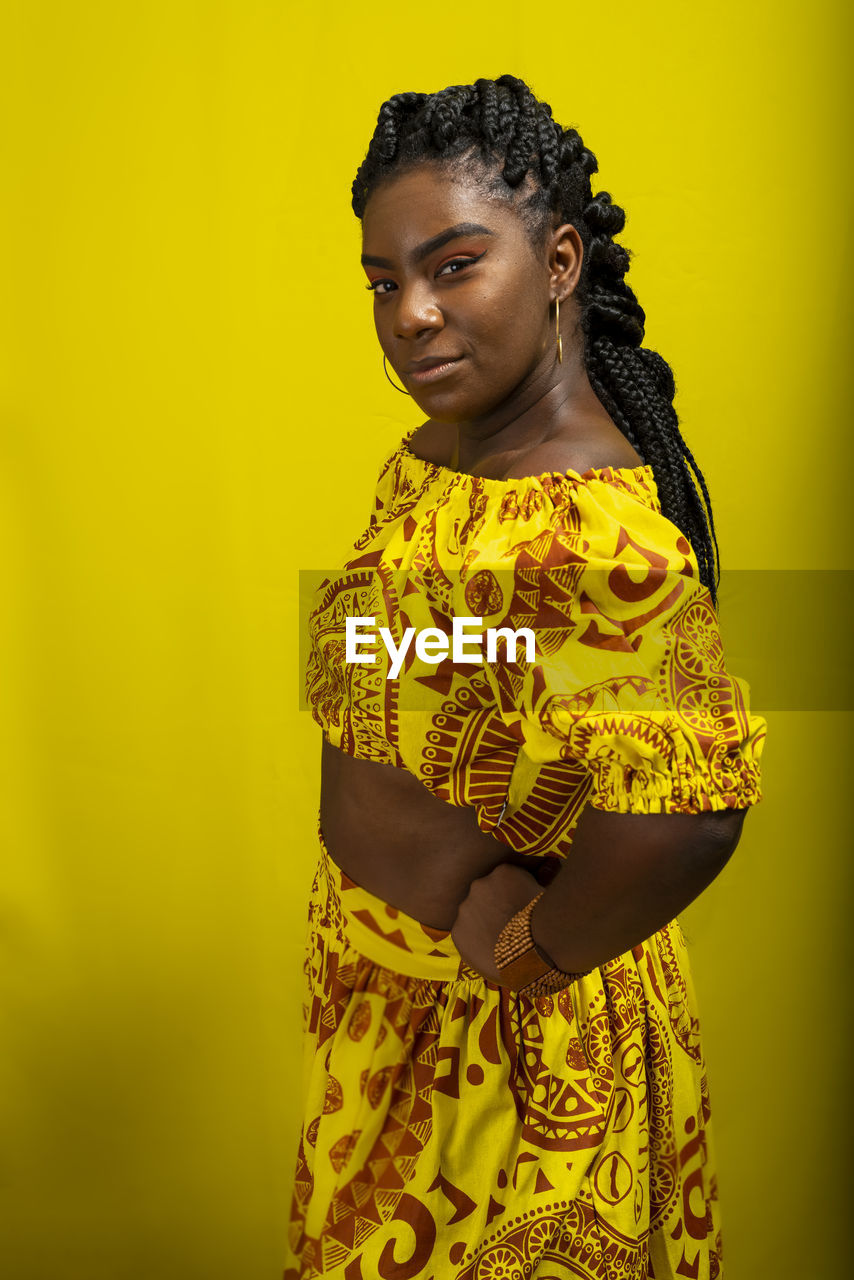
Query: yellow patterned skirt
{"x": 455, "y": 1130}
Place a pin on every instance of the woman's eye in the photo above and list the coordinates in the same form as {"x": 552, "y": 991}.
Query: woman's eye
{"x": 452, "y": 268}
{"x": 456, "y": 265}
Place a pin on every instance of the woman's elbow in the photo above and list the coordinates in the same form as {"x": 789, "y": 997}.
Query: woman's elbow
{"x": 721, "y": 831}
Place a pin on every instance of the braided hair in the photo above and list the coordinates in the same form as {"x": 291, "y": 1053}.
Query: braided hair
{"x": 498, "y": 132}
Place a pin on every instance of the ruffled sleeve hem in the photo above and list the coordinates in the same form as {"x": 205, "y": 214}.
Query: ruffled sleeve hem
{"x": 731, "y": 780}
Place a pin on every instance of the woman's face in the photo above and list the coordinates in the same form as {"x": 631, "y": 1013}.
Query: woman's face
{"x": 461, "y": 301}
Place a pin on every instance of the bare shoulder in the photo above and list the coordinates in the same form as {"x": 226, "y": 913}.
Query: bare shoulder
{"x": 433, "y": 441}
{"x": 576, "y": 455}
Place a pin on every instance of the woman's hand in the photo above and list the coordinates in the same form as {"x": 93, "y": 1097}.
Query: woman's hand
{"x": 484, "y": 912}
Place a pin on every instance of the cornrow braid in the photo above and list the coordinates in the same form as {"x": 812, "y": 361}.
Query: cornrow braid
{"x": 499, "y": 133}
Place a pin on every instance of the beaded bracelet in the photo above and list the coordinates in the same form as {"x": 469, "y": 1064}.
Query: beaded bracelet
{"x": 520, "y": 962}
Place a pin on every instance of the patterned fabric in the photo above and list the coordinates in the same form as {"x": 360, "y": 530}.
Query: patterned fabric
{"x": 454, "y": 1128}
{"x": 627, "y": 702}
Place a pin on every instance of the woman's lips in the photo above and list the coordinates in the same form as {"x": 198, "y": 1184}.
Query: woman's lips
{"x": 432, "y": 372}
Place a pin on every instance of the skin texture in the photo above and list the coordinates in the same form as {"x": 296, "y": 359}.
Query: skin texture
{"x": 513, "y": 411}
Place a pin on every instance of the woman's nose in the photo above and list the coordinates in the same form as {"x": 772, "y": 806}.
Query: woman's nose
{"x": 416, "y": 313}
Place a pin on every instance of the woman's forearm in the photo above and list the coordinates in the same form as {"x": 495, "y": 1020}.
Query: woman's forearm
{"x": 627, "y": 875}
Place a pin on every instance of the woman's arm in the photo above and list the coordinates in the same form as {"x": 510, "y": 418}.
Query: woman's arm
{"x": 627, "y": 875}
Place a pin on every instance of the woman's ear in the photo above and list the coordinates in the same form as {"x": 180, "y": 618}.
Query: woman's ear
{"x": 565, "y": 256}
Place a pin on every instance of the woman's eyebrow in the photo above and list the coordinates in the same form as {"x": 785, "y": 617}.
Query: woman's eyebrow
{"x": 435, "y": 242}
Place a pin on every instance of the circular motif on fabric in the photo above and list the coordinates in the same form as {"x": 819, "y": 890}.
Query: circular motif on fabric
{"x": 377, "y": 1086}
{"x": 538, "y": 1238}
{"x": 360, "y": 1021}
{"x": 483, "y": 594}
{"x": 694, "y": 710}
{"x": 340, "y": 1153}
{"x": 632, "y": 1064}
{"x": 624, "y": 1109}
{"x": 613, "y": 1178}
{"x": 474, "y": 1074}
{"x": 638, "y": 1200}
{"x": 699, "y": 638}
{"x": 662, "y": 1190}
{"x": 597, "y": 1046}
{"x": 500, "y": 1263}
{"x": 564, "y": 1004}
{"x": 334, "y": 1099}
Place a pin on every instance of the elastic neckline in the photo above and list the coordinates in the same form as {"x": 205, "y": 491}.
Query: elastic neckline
{"x": 642, "y": 476}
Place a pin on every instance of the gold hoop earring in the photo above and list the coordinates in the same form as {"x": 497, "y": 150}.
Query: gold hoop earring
{"x": 402, "y": 390}
{"x": 557, "y": 330}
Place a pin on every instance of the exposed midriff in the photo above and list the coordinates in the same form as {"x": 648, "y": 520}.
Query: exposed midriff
{"x": 396, "y": 839}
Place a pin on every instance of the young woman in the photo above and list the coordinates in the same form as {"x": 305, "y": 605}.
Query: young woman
{"x": 503, "y": 1070}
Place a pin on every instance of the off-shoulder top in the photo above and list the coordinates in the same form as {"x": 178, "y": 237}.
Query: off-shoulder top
{"x": 625, "y": 702}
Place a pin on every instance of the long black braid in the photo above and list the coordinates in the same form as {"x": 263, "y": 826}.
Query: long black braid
{"x": 477, "y": 127}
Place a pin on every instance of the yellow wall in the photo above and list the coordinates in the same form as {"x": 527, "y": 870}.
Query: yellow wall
{"x": 193, "y": 409}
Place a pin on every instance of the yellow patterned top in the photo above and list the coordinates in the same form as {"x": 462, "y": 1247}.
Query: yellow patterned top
{"x": 625, "y": 701}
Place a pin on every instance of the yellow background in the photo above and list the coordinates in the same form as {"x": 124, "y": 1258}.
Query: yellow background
{"x": 193, "y": 409}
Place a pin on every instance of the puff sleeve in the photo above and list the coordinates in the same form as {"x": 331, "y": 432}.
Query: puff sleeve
{"x": 628, "y": 676}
